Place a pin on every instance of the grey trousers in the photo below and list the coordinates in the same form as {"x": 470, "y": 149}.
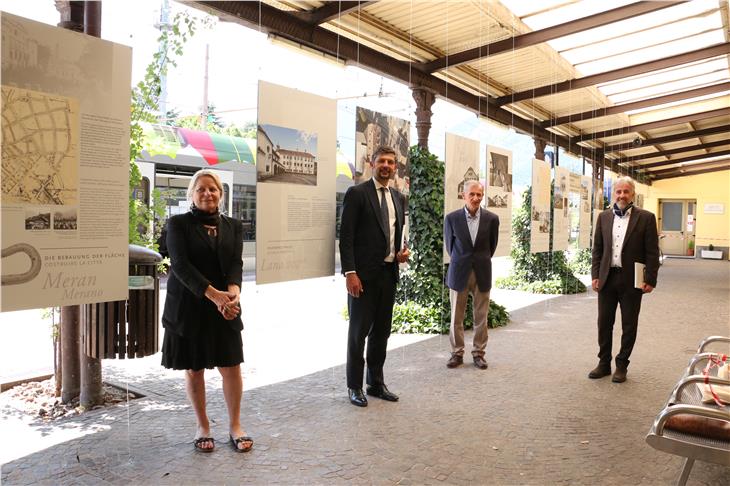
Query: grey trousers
{"x": 458, "y": 308}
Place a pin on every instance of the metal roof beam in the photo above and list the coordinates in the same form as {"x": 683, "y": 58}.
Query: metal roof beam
{"x": 705, "y": 165}
{"x": 331, "y": 11}
{"x": 669, "y": 138}
{"x": 679, "y": 150}
{"x": 621, "y": 73}
{"x": 686, "y": 173}
{"x": 263, "y": 17}
{"x": 667, "y": 122}
{"x": 635, "y": 105}
{"x": 543, "y": 35}
{"x": 693, "y": 158}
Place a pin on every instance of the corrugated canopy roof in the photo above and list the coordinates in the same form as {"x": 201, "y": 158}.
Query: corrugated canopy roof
{"x": 641, "y": 86}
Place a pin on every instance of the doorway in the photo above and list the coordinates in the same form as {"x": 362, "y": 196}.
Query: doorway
{"x": 677, "y": 225}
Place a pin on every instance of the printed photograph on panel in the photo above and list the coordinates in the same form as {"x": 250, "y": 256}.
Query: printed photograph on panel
{"x": 597, "y": 195}
{"x": 40, "y": 143}
{"x": 560, "y": 191}
{"x": 65, "y": 219}
{"x": 499, "y": 171}
{"x": 37, "y": 219}
{"x": 469, "y": 175}
{"x": 498, "y": 194}
{"x": 372, "y": 130}
{"x": 286, "y": 155}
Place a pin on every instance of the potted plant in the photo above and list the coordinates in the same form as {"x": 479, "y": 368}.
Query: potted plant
{"x": 691, "y": 248}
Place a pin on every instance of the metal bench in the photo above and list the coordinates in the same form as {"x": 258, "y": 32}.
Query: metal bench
{"x": 686, "y": 399}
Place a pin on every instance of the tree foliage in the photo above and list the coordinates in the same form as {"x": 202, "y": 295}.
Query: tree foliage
{"x": 144, "y": 108}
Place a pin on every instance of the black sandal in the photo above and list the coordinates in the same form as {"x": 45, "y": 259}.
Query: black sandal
{"x": 239, "y": 440}
{"x": 199, "y": 442}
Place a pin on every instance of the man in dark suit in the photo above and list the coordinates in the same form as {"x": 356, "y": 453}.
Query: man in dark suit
{"x": 370, "y": 250}
{"x": 470, "y": 237}
{"x": 624, "y": 235}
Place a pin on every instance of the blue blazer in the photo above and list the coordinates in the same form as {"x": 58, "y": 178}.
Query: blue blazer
{"x": 466, "y": 256}
{"x": 362, "y": 235}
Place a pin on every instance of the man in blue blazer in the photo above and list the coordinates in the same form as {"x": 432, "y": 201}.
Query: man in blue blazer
{"x": 370, "y": 250}
{"x": 470, "y": 237}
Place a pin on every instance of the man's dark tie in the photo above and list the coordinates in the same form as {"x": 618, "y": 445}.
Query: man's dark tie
{"x": 384, "y": 216}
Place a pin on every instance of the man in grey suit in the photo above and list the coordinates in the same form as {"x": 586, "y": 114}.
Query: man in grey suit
{"x": 624, "y": 235}
{"x": 470, "y": 237}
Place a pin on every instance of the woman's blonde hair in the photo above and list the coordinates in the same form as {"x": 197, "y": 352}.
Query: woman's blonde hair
{"x": 194, "y": 182}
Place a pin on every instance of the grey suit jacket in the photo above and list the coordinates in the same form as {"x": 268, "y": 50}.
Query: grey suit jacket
{"x": 466, "y": 256}
{"x": 641, "y": 244}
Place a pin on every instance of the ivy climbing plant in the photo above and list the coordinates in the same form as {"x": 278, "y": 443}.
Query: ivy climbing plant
{"x": 144, "y": 109}
{"x": 540, "y": 273}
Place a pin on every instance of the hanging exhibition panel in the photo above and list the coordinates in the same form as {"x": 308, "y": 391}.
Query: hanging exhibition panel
{"x": 65, "y": 167}
{"x": 498, "y": 194}
{"x": 462, "y": 165}
{"x": 295, "y": 185}
{"x": 540, "y": 208}
{"x": 372, "y": 130}
{"x": 584, "y": 223}
{"x": 561, "y": 220}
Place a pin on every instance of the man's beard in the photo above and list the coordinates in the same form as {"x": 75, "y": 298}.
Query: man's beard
{"x": 621, "y": 203}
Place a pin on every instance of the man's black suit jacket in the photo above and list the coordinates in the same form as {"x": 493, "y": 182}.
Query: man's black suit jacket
{"x": 363, "y": 245}
{"x": 641, "y": 244}
{"x": 195, "y": 264}
{"x": 465, "y": 256}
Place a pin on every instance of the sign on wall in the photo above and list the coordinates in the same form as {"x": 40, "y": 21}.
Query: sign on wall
{"x": 295, "y": 171}
{"x": 65, "y": 167}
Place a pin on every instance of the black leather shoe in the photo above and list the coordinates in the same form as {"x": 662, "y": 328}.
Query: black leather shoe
{"x": 382, "y": 392}
{"x": 599, "y": 372}
{"x": 619, "y": 376}
{"x": 357, "y": 397}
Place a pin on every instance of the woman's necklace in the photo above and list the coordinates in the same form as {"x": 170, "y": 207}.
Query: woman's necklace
{"x": 212, "y": 230}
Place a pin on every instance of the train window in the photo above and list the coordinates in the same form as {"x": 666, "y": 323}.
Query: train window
{"x": 142, "y": 191}
{"x": 244, "y": 209}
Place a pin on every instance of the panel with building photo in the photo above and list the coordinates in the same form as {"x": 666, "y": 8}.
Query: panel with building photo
{"x": 296, "y": 168}
{"x": 561, "y": 220}
{"x": 286, "y": 155}
{"x": 372, "y": 130}
{"x": 498, "y": 194}
{"x": 461, "y": 165}
{"x": 540, "y": 208}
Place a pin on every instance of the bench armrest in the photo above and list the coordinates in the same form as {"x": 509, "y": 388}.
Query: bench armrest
{"x": 689, "y": 380}
{"x": 696, "y": 410}
{"x": 697, "y": 359}
{"x": 712, "y": 339}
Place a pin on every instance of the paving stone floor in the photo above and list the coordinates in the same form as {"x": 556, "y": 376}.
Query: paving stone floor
{"x": 532, "y": 418}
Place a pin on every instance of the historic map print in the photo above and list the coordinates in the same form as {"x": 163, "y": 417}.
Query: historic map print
{"x": 40, "y": 140}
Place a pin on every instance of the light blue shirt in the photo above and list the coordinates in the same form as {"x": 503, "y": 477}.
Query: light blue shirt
{"x": 473, "y": 223}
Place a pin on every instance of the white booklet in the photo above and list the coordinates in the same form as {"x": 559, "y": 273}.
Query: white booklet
{"x": 638, "y": 275}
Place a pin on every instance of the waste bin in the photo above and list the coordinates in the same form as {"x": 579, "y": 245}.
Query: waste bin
{"x": 127, "y": 328}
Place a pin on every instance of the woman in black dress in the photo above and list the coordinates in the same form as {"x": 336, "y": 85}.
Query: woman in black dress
{"x": 202, "y": 309}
